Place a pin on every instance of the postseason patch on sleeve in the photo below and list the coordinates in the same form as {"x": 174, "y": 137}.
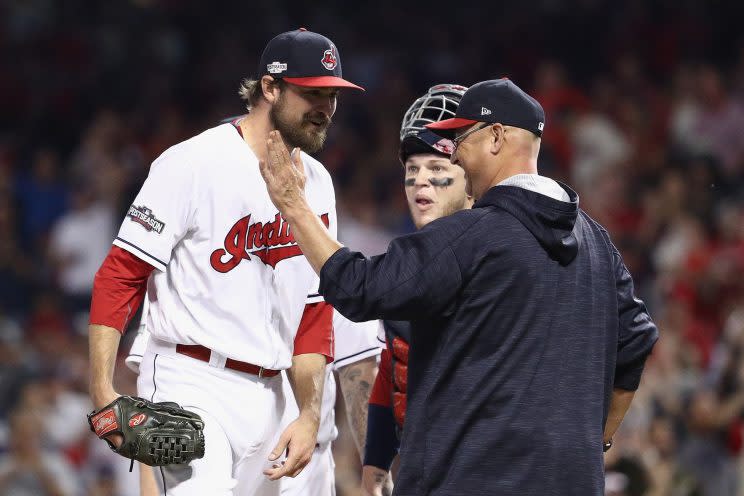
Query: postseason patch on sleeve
{"x": 144, "y": 217}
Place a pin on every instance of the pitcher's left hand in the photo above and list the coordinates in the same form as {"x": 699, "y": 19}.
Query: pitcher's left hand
{"x": 298, "y": 441}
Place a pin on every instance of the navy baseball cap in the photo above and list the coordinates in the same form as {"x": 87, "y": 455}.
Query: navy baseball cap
{"x": 304, "y": 58}
{"x": 496, "y": 100}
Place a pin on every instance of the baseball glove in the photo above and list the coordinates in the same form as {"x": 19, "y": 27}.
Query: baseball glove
{"x": 154, "y": 433}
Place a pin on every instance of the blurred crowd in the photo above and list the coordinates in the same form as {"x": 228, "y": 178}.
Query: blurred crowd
{"x": 645, "y": 119}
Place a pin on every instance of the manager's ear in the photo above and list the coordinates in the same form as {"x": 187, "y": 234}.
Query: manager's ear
{"x": 497, "y": 135}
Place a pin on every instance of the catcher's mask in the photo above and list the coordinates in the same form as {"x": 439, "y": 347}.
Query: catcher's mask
{"x": 440, "y": 102}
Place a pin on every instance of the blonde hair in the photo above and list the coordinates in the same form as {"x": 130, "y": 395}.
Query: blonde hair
{"x": 250, "y": 91}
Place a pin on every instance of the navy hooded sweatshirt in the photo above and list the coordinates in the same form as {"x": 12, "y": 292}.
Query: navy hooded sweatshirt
{"x": 523, "y": 320}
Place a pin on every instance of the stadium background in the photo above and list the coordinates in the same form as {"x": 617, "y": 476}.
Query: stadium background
{"x": 645, "y": 118}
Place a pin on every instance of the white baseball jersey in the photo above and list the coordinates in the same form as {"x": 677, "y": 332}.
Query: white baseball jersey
{"x": 235, "y": 281}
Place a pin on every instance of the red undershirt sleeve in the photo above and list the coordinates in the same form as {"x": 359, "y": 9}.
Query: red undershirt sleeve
{"x": 315, "y": 333}
{"x": 118, "y": 289}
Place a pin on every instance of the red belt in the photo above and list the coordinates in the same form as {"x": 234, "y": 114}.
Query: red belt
{"x": 203, "y": 353}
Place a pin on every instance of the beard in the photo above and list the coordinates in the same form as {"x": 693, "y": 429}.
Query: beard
{"x": 303, "y": 134}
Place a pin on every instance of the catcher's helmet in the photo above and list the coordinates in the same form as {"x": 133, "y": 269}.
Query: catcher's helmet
{"x": 440, "y": 102}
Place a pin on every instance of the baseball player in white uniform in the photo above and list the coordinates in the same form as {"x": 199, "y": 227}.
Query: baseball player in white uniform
{"x": 357, "y": 350}
{"x": 232, "y": 301}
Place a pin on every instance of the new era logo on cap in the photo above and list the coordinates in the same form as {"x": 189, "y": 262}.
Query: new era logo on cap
{"x": 485, "y": 111}
{"x": 541, "y": 126}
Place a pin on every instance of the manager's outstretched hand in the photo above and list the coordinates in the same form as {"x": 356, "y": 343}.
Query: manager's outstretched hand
{"x": 284, "y": 175}
{"x": 285, "y": 181}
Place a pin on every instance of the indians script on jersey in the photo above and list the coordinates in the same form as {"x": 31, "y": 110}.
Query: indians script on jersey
{"x": 271, "y": 243}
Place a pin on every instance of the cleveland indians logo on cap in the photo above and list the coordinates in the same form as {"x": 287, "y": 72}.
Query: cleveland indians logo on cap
{"x": 329, "y": 60}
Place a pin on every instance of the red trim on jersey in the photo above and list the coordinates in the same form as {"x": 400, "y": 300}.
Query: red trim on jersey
{"x": 315, "y": 334}
{"x": 236, "y": 124}
{"x": 382, "y": 391}
{"x": 118, "y": 289}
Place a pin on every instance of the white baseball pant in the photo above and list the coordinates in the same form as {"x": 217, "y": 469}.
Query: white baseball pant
{"x": 318, "y": 478}
{"x": 241, "y": 414}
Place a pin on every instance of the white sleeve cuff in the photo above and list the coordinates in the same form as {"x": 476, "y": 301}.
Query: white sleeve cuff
{"x": 140, "y": 253}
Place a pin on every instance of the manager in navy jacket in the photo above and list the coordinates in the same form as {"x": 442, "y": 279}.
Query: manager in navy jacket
{"x": 527, "y": 339}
